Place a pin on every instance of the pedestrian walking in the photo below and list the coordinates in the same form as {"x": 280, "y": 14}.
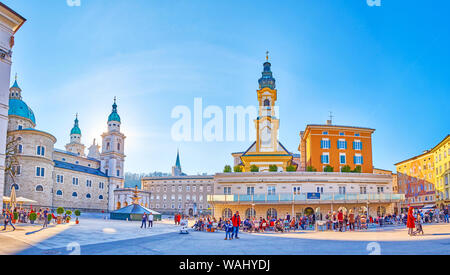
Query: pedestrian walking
{"x": 228, "y": 230}
{"x": 150, "y": 220}
{"x": 410, "y": 222}
{"x": 236, "y": 220}
{"x": 8, "y": 220}
{"x": 144, "y": 220}
{"x": 45, "y": 218}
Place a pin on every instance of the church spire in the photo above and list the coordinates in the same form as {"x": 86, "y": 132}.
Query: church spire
{"x": 176, "y": 170}
{"x": 15, "y": 91}
{"x": 177, "y": 162}
{"x": 114, "y": 116}
{"x": 267, "y": 79}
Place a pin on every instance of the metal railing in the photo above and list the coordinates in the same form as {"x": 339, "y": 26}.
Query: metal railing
{"x": 303, "y": 198}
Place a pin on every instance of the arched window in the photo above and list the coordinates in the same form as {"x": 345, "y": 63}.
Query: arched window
{"x": 266, "y": 103}
{"x": 272, "y": 213}
{"x": 74, "y": 194}
{"x": 59, "y": 193}
{"x": 39, "y": 188}
{"x": 118, "y": 146}
{"x": 108, "y": 145}
{"x": 15, "y": 186}
{"x": 226, "y": 213}
{"x": 250, "y": 213}
{"x": 100, "y": 197}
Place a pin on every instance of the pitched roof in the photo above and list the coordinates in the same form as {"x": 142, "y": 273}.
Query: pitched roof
{"x": 78, "y": 168}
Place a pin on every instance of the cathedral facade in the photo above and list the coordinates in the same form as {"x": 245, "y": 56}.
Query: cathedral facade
{"x": 68, "y": 178}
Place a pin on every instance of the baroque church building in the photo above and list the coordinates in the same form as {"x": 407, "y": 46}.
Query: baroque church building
{"x": 67, "y": 178}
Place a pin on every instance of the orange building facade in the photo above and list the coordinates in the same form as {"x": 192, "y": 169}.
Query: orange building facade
{"x": 336, "y": 146}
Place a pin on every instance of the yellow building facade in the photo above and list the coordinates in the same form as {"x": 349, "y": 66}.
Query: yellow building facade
{"x": 441, "y": 156}
{"x": 416, "y": 179}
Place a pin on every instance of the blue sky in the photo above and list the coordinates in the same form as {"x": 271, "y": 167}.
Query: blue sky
{"x": 381, "y": 67}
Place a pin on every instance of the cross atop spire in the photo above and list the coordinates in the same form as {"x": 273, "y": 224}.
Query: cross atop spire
{"x": 267, "y": 55}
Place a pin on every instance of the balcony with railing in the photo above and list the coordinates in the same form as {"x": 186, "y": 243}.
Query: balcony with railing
{"x": 307, "y": 198}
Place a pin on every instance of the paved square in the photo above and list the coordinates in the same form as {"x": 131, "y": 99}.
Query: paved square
{"x": 95, "y": 236}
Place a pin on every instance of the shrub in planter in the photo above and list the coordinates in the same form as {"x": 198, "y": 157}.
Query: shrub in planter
{"x": 77, "y": 213}
{"x": 328, "y": 169}
{"x": 273, "y": 168}
{"x": 15, "y": 217}
{"x": 254, "y": 168}
{"x": 357, "y": 169}
{"x": 237, "y": 169}
{"x": 60, "y": 210}
{"x": 68, "y": 215}
{"x": 291, "y": 168}
{"x": 227, "y": 169}
{"x": 311, "y": 169}
{"x": 49, "y": 217}
{"x": 346, "y": 169}
{"x": 33, "y": 217}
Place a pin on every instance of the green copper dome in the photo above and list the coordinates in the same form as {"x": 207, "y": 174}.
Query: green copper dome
{"x": 114, "y": 116}
{"x": 76, "y": 129}
{"x": 18, "y": 107}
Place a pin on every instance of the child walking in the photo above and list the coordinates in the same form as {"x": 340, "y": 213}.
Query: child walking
{"x": 228, "y": 230}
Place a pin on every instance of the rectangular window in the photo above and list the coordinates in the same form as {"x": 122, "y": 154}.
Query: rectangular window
{"x": 342, "y": 159}
{"x": 358, "y": 159}
{"x": 40, "y": 172}
{"x": 297, "y": 190}
{"x": 271, "y": 190}
{"x": 325, "y": 143}
{"x": 227, "y": 190}
{"x": 319, "y": 189}
{"x": 357, "y": 145}
{"x": 342, "y": 144}
{"x": 325, "y": 158}
{"x": 250, "y": 190}
{"x": 342, "y": 190}
{"x": 363, "y": 190}
{"x": 380, "y": 190}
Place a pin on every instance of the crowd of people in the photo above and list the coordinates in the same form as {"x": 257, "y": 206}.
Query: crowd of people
{"x": 338, "y": 221}
{"x": 22, "y": 216}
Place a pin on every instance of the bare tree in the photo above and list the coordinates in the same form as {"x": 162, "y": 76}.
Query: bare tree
{"x": 11, "y": 161}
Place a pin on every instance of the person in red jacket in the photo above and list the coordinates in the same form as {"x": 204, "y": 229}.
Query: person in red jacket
{"x": 340, "y": 217}
{"x": 236, "y": 221}
{"x": 410, "y": 221}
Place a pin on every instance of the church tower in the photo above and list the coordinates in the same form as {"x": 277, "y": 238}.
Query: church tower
{"x": 176, "y": 170}
{"x": 75, "y": 146}
{"x": 112, "y": 156}
{"x": 266, "y": 150}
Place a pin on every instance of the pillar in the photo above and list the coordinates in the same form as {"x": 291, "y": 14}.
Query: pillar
{"x": 10, "y": 22}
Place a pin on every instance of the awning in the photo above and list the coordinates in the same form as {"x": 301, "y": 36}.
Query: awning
{"x": 20, "y": 200}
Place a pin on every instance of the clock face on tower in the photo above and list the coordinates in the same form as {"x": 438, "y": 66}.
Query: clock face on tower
{"x": 266, "y": 138}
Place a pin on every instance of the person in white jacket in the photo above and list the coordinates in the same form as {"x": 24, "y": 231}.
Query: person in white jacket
{"x": 150, "y": 220}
